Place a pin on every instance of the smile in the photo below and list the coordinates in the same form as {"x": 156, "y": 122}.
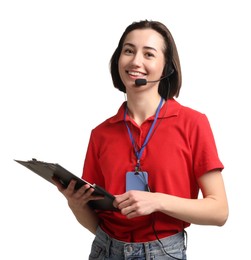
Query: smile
{"x": 136, "y": 73}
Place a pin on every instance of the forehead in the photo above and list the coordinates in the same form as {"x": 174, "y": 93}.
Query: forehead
{"x": 145, "y": 38}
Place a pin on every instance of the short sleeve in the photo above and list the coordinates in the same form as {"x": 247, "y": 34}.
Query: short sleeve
{"x": 205, "y": 154}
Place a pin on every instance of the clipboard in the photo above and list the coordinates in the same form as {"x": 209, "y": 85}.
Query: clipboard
{"x": 48, "y": 170}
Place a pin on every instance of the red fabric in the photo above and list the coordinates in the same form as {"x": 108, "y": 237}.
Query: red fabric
{"x": 181, "y": 149}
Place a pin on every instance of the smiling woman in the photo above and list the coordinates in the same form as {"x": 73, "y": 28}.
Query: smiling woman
{"x": 134, "y": 54}
{"x": 165, "y": 154}
{"x": 171, "y": 57}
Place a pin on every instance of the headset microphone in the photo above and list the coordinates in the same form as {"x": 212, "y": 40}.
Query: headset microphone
{"x": 142, "y": 82}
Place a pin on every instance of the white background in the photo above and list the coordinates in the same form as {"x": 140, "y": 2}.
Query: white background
{"x": 55, "y": 86}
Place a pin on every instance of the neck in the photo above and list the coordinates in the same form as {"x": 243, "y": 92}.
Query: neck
{"x": 139, "y": 109}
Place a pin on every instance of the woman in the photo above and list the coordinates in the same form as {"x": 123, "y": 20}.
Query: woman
{"x": 154, "y": 155}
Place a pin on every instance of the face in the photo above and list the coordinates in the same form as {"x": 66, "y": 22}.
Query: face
{"x": 142, "y": 56}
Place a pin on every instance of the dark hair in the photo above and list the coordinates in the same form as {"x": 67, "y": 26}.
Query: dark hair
{"x": 171, "y": 57}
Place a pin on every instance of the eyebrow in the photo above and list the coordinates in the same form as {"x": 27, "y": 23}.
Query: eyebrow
{"x": 145, "y": 47}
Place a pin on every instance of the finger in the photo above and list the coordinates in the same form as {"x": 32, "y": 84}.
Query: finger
{"x": 132, "y": 214}
{"x": 97, "y": 197}
{"x": 58, "y": 184}
{"x": 129, "y": 212}
{"x": 120, "y": 199}
{"x": 125, "y": 203}
{"x": 93, "y": 196}
{"x": 85, "y": 191}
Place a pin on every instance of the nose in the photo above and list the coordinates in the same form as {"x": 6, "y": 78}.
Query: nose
{"x": 137, "y": 59}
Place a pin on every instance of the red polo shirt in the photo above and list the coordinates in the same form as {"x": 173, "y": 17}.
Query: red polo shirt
{"x": 181, "y": 149}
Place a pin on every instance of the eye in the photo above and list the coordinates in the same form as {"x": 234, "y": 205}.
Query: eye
{"x": 149, "y": 55}
{"x": 128, "y": 51}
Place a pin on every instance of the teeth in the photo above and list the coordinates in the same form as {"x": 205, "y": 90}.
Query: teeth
{"x": 134, "y": 73}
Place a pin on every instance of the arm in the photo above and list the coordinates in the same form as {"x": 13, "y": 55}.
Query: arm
{"x": 78, "y": 203}
{"x": 212, "y": 209}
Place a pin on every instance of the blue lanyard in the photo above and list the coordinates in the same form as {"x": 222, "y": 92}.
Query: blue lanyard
{"x": 139, "y": 152}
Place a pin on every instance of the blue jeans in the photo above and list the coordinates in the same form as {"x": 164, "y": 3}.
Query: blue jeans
{"x": 107, "y": 248}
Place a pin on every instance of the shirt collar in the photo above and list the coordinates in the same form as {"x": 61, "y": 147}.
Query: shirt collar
{"x": 169, "y": 109}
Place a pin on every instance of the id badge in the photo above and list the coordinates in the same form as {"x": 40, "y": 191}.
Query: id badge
{"x": 137, "y": 181}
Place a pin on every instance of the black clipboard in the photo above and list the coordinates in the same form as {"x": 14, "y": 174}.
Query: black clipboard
{"x": 48, "y": 170}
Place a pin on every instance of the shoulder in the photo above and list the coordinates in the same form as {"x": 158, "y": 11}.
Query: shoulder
{"x": 186, "y": 113}
{"x": 189, "y": 120}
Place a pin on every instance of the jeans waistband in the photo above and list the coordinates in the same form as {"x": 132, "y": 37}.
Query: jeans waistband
{"x": 118, "y": 247}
